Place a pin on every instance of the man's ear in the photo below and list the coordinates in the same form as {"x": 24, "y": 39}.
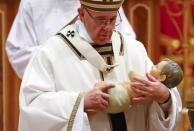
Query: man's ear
{"x": 162, "y": 78}
{"x": 81, "y": 13}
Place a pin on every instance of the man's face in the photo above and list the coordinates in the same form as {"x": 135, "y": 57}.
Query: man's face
{"x": 156, "y": 70}
{"x": 99, "y": 25}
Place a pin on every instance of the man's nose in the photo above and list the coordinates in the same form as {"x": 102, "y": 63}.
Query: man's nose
{"x": 108, "y": 27}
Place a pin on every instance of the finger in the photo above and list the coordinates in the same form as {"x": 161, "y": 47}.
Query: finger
{"x": 106, "y": 96}
{"x": 105, "y": 87}
{"x": 141, "y": 87}
{"x": 141, "y": 100}
{"x": 151, "y": 78}
{"x": 137, "y": 82}
{"x": 134, "y": 89}
{"x": 141, "y": 92}
{"x": 103, "y": 105}
{"x": 138, "y": 100}
{"x": 143, "y": 81}
{"x": 138, "y": 85}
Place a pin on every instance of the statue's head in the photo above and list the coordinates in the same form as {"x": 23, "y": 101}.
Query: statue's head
{"x": 168, "y": 72}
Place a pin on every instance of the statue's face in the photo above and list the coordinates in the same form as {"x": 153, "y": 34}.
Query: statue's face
{"x": 157, "y": 70}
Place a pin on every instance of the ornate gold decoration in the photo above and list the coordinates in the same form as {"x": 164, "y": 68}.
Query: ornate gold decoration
{"x": 132, "y": 10}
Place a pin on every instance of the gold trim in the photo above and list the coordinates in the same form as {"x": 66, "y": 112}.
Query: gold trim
{"x": 74, "y": 111}
{"x": 98, "y": 6}
{"x": 101, "y": 75}
{"x": 186, "y": 53}
{"x": 149, "y": 45}
{"x": 171, "y": 13}
{"x": 104, "y": 49}
{"x": 2, "y": 13}
{"x": 121, "y": 53}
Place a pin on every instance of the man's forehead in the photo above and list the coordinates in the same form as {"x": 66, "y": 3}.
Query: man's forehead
{"x": 103, "y": 12}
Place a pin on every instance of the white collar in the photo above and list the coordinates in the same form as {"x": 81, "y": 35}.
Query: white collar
{"x": 82, "y": 31}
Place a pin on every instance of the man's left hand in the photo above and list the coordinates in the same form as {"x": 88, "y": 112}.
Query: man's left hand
{"x": 149, "y": 90}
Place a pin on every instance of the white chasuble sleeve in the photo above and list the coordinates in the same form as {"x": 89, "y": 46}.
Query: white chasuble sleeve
{"x": 157, "y": 119}
{"x": 42, "y": 106}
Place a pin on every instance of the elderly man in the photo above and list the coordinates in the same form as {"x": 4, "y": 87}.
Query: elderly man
{"x": 62, "y": 88}
{"x": 38, "y": 20}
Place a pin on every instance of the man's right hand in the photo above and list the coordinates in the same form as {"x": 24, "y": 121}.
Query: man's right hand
{"x": 97, "y": 99}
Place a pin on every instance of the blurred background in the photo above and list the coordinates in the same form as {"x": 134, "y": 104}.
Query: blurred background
{"x": 165, "y": 27}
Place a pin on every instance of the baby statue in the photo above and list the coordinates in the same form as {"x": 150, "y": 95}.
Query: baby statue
{"x": 167, "y": 71}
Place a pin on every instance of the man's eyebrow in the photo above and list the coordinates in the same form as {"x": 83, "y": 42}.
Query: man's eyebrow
{"x": 102, "y": 17}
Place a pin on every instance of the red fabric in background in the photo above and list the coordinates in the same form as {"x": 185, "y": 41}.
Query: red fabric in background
{"x": 192, "y": 8}
{"x": 167, "y": 26}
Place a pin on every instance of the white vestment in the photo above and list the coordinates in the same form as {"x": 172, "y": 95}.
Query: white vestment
{"x": 37, "y": 21}
{"x": 55, "y": 76}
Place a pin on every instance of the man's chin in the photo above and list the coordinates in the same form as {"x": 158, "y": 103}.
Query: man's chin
{"x": 104, "y": 40}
